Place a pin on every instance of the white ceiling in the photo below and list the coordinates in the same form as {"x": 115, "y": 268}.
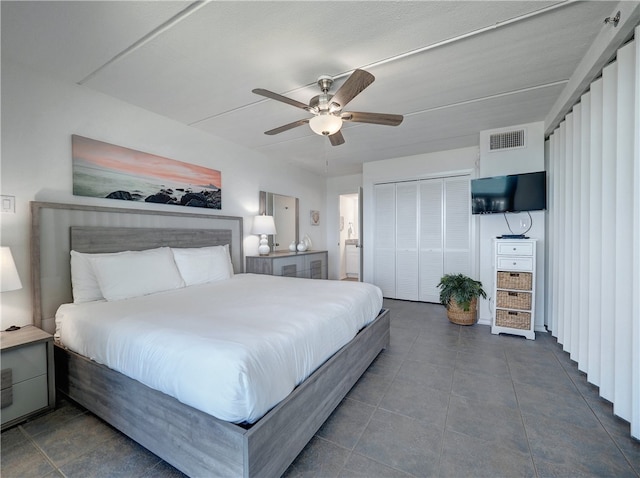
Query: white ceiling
{"x": 451, "y": 68}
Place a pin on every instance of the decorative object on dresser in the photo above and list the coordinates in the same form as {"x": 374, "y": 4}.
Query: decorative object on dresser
{"x": 10, "y": 279}
{"x": 515, "y": 279}
{"x": 459, "y": 294}
{"x": 308, "y": 265}
{"x": 263, "y": 225}
{"x": 27, "y": 374}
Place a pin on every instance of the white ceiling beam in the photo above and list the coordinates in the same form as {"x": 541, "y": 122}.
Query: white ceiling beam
{"x": 599, "y": 54}
{"x": 192, "y": 8}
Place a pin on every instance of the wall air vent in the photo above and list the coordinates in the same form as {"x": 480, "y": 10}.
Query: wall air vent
{"x": 507, "y": 140}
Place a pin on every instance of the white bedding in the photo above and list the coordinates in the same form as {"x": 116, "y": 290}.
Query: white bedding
{"x": 232, "y": 348}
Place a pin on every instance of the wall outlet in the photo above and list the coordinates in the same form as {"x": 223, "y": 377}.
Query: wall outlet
{"x": 8, "y": 204}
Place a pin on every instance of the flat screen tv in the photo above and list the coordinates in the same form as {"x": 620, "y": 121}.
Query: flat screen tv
{"x": 513, "y": 193}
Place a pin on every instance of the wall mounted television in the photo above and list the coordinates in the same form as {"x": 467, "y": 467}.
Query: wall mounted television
{"x": 512, "y": 193}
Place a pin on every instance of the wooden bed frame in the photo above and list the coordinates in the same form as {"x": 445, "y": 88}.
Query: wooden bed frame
{"x": 196, "y": 443}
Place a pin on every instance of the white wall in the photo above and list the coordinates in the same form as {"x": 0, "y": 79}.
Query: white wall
{"x": 498, "y": 163}
{"x": 40, "y": 114}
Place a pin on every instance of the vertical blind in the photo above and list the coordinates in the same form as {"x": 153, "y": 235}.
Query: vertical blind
{"x": 594, "y": 234}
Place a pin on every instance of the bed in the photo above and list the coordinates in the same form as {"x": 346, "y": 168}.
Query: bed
{"x": 193, "y": 441}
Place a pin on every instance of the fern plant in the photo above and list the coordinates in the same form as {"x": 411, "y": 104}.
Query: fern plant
{"x": 460, "y": 288}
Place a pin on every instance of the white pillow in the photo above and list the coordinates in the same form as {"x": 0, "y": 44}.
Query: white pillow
{"x": 200, "y": 265}
{"x": 135, "y": 273}
{"x": 83, "y": 280}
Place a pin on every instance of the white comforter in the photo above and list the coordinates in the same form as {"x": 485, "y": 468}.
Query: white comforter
{"x": 233, "y": 348}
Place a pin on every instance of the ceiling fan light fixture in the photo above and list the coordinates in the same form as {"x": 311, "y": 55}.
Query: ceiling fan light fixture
{"x": 325, "y": 124}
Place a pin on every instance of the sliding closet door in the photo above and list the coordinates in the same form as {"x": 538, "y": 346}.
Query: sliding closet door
{"x": 431, "y": 239}
{"x": 457, "y": 226}
{"x": 407, "y": 240}
{"x": 422, "y": 231}
{"x": 384, "y": 239}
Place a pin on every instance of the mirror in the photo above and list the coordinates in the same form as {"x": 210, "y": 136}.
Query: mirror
{"x": 284, "y": 210}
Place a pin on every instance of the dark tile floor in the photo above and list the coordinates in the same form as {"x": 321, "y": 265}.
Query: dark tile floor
{"x": 442, "y": 400}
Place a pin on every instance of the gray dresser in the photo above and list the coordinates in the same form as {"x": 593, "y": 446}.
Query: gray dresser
{"x": 307, "y": 265}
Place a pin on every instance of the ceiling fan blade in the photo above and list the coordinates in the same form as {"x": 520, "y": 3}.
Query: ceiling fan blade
{"x": 373, "y": 118}
{"x": 357, "y": 82}
{"x": 277, "y": 97}
{"x": 286, "y": 127}
{"x": 336, "y": 139}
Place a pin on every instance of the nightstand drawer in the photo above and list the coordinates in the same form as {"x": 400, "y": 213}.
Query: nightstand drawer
{"x": 515, "y": 263}
{"x": 515, "y": 248}
{"x": 26, "y": 362}
{"x": 26, "y": 397}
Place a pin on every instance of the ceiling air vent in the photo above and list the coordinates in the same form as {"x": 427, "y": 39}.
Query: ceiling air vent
{"x": 507, "y": 140}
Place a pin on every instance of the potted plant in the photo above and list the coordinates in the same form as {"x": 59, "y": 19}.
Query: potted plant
{"x": 459, "y": 294}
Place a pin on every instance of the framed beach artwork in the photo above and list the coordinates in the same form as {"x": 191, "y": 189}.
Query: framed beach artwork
{"x": 107, "y": 171}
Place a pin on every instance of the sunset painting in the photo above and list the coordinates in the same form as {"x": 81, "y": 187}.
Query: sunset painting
{"x": 107, "y": 171}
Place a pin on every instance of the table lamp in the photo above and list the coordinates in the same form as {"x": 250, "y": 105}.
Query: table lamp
{"x": 10, "y": 280}
{"x": 263, "y": 225}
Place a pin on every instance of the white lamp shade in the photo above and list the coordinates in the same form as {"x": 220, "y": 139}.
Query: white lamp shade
{"x": 263, "y": 225}
{"x": 10, "y": 279}
{"x": 325, "y": 124}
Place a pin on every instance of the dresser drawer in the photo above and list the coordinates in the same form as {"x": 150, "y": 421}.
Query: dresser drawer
{"x": 25, "y": 362}
{"x": 515, "y": 248}
{"x": 26, "y": 397}
{"x": 291, "y": 266}
{"x": 515, "y": 263}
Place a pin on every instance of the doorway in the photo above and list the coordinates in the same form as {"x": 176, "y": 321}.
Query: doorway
{"x": 349, "y": 243}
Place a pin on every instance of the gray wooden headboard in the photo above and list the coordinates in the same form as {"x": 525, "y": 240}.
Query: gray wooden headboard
{"x": 108, "y": 229}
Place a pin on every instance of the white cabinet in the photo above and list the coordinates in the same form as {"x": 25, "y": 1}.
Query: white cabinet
{"x": 352, "y": 260}
{"x": 422, "y": 231}
{"x": 514, "y": 291}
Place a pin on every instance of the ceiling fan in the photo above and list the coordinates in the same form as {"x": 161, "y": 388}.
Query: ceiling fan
{"x": 327, "y": 109}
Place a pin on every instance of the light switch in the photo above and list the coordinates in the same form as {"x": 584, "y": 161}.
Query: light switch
{"x": 8, "y": 203}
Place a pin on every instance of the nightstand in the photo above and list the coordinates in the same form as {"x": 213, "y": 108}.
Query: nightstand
{"x": 28, "y": 386}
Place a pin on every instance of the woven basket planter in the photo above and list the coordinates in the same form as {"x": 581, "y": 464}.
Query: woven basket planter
{"x": 458, "y": 316}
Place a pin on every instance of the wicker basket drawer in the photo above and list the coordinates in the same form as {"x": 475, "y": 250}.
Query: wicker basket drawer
{"x": 514, "y": 300}
{"x": 513, "y": 319}
{"x": 515, "y": 280}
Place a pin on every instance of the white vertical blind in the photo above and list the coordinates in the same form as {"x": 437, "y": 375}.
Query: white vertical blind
{"x": 568, "y": 306}
{"x": 608, "y": 308}
{"x": 635, "y": 259}
{"x": 624, "y": 221}
{"x": 576, "y": 269}
{"x": 594, "y": 163}
{"x": 583, "y": 234}
{"x": 594, "y": 234}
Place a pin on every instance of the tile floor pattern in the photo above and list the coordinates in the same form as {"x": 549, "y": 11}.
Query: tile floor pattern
{"x": 442, "y": 400}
